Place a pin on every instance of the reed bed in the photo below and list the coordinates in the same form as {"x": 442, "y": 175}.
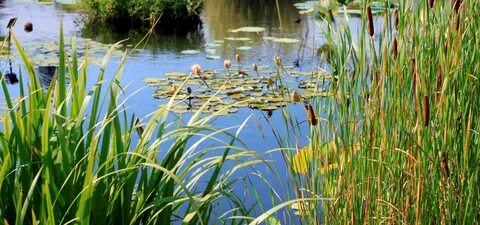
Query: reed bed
{"x": 400, "y": 143}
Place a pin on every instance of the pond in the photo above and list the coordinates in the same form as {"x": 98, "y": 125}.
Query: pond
{"x": 293, "y": 36}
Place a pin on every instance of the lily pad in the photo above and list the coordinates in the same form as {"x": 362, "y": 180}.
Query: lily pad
{"x": 190, "y": 52}
{"x": 283, "y": 40}
{"x": 212, "y": 57}
{"x": 237, "y": 38}
{"x": 244, "y": 48}
{"x": 248, "y": 29}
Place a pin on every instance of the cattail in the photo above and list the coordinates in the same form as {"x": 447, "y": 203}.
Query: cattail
{"x": 28, "y": 27}
{"x": 444, "y": 165}
{"x": 270, "y": 82}
{"x": 371, "y": 30}
{"x": 426, "y": 110}
{"x": 312, "y": 118}
{"x": 296, "y": 97}
{"x": 438, "y": 83}
{"x": 414, "y": 71}
{"x": 395, "y": 48}
{"x": 395, "y": 18}
{"x": 227, "y": 64}
{"x": 189, "y": 90}
{"x": 431, "y": 3}
{"x": 456, "y": 5}
{"x": 255, "y": 67}
{"x": 277, "y": 60}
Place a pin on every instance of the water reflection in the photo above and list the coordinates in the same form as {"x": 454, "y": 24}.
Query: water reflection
{"x": 223, "y": 15}
{"x": 158, "y": 42}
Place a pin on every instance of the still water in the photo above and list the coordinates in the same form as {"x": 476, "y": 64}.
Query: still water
{"x": 162, "y": 53}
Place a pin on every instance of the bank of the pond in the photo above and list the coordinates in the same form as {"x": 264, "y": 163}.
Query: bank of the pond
{"x": 170, "y": 14}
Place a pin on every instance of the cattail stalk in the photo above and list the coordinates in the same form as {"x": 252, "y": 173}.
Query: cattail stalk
{"x": 438, "y": 84}
{"x": 426, "y": 110}
{"x": 395, "y": 18}
{"x": 371, "y": 29}
{"x": 395, "y": 48}
{"x": 456, "y": 4}
{"x": 312, "y": 118}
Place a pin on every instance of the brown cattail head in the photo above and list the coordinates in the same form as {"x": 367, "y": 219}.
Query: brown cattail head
{"x": 426, "y": 110}
{"x": 312, "y": 118}
{"x": 438, "y": 83}
{"x": 395, "y": 48}
{"x": 414, "y": 71}
{"x": 277, "y": 60}
{"x": 395, "y": 18}
{"x": 371, "y": 30}
{"x": 227, "y": 64}
{"x": 28, "y": 27}
{"x": 296, "y": 97}
{"x": 431, "y": 3}
{"x": 444, "y": 165}
{"x": 456, "y": 4}
{"x": 270, "y": 82}
{"x": 237, "y": 57}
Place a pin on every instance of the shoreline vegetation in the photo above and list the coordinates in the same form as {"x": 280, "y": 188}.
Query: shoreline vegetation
{"x": 177, "y": 15}
{"x": 397, "y": 143}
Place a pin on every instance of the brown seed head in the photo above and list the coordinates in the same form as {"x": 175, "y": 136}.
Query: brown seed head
{"x": 371, "y": 29}
{"x": 296, "y": 97}
{"x": 396, "y": 18}
{"x": 312, "y": 118}
{"x": 395, "y": 48}
{"x": 237, "y": 57}
{"x": 438, "y": 83}
{"x": 456, "y": 4}
{"x": 254, "y": 67}
{"x": 426, "y": 110}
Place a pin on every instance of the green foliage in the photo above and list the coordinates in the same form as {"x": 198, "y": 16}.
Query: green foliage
{"x": 104, "y": 10}
{"x": 73, "y": 155}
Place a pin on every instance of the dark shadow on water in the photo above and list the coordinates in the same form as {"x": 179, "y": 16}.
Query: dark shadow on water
{"x": 168, "y": 40}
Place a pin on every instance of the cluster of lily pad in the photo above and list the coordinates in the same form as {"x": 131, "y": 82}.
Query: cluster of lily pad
{"x": 225, "y": 91}
{"x": 242, "y": 43}
{"x": 45, "y": 52}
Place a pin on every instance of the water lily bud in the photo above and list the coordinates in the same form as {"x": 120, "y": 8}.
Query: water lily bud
{"x": 227, "y": 64}
{"x": 254, "y": 67}
{"x": 196, "y": 69}
{"x": 278, "y": 60}
{"x": 28, "y": 27}
{"x": 237, "y": 57}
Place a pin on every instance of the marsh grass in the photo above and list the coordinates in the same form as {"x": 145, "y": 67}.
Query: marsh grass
{"x": 400, "y": 144}
{"x": 72, "y": 155}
